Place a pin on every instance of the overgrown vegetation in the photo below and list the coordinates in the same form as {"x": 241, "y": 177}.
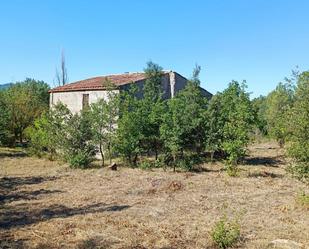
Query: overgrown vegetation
{"x": 225, "y": 233}
{"x": 175, "y": 132}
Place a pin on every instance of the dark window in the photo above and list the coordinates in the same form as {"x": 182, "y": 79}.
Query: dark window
{"x": 85, "y": 101}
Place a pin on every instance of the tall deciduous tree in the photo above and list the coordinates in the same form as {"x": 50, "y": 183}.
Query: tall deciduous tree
{"x": 25, "y": 101}
{"x": 214, "y": 125}
{"x": 238, "y": 118}
{"x": 62, "y": 74}
{"x": 47, "y": 134}
{"x": 130, "y": 124}
{"x": 104, "y": 115}
{"x": 151, "y": 107}
{"x": 183, "y": 124}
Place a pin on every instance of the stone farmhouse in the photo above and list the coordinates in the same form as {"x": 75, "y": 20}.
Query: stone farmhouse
{"x": 82, "y": 93}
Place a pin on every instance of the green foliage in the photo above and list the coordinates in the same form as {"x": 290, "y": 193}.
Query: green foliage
{"x": 214, "y": 126}
{"x": 278, "y": 105}
{"x": 151, "y": 108}
{"x": 238, "y": 117}
{"x": 6, "y": 137}
{"x": 299, "y": 170}
{"x": 47, "y": 134}
{"x": 188, "y": 161}
{"x": 140, "y": 118}
{"x": 230, "y": 118}
{"x": 183, "y": 125}
{"x": 146, "y": 165}
{"x": 225, "y": 233}
{"x": 299, "y": 129}
{"x": 78, "y": 147}
{"x": 61, "y": 133}
{"x": 22, "y": 103}
{"x": 80, "y": 159}
{"x": 259, "y": 107}
{"x": 104, "y": 115}
{"x": 232, "y": 170}
{"x": 153, "y": 88}
{"x": 130, "y": 124}
{"x": 39, "y": 136}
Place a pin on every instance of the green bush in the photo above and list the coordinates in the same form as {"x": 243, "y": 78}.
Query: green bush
{"x": 225, "y": 233}
{"x": 232, "y": 170}
{"x": 146, "y": 165}
{"x": 79, "y": 147}
{"x": 299, "y": 170}
{"x": 187, "y": 162}
{"x": 80, "y": 160}
{"x": 38, "y": 136}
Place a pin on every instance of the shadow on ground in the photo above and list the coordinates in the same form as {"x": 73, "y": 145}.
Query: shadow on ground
{"x": 11, "y": 183}
{"x": 265, "y": 161}
{"x": 19, "y": 216}
{"x": 13, "y": 154}
{"x": 26, "y": 195}
{"x": 264, "y": 174}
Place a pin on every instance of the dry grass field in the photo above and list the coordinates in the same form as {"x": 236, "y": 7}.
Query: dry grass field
{"x": 45, "y": 204}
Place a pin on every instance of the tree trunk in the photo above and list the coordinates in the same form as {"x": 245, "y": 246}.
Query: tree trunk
{"x": 21, "y": 138}
{"x": 110, "y": 153}
{"x": 174, "y": 163}
{"x": 212, "y": 156}
{"x": 102, "y": 154}
{"x": 156, "y": 151}
{"x": 15, "y": 138}
{"x": 135, "y": 160}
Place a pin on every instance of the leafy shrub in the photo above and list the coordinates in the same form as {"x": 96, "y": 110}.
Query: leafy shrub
{"x": 38, "y": 135}
{"x": 299, "y": 170}
{"x": 235, "y": 150}
{"x": 165, "y": 159}
{"x": 187, "y": 162}
{"x": 146, "y": 165}
{"x": 159, "y": 163}
{"x": 232, "y": 170}
{"x": 7, "y": 139}
{"x": 79, "y": 147}
{"x": 183, "y": 164}
{"x": 80, "y": 160}
{"x": 225, "y": 233}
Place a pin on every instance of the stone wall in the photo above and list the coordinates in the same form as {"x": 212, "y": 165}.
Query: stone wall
{"x": 74, "y": 100}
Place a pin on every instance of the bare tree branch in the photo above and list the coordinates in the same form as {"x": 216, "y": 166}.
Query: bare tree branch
{"x": 62, "y": 76}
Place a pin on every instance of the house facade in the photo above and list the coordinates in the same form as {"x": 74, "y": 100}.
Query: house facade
{"x": 82, "y": 93}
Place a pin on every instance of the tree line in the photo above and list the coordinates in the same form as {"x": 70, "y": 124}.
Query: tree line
{"x": 284, "y": 116}
{"x": 155, "y": 132}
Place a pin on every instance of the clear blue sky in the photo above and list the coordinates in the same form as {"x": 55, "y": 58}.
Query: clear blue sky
{"x": 257, "y": 40}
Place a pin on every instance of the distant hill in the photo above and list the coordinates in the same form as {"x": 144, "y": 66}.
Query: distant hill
{"x": 4, "y": 86}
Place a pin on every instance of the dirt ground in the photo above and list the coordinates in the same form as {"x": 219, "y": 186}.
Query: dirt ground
{"x": 45, "y": 204}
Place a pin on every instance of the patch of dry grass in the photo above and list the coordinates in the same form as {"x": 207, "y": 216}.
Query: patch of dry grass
{"x": 45, "y": 204}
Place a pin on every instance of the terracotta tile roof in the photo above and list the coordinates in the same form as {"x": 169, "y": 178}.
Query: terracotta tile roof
{"x": 98, "y": 83}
